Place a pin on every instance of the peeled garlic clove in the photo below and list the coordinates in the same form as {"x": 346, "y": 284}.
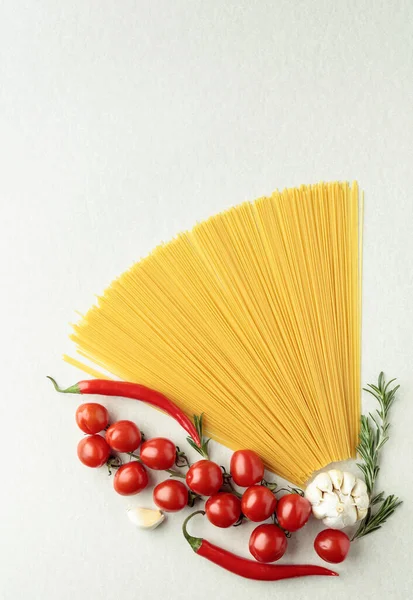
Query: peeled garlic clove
{"x": 336, "y": 477}
{"x": 359, "y": 488}
{"x": 348, "y": 483}
{"x": 313, "y": 494}
{"x": 145, "y": 518}
{"x": 323, "y": 482}
{"x": 361, "y": 513}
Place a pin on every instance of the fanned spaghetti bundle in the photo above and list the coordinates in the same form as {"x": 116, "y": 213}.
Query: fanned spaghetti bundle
{"x": 253, "y": 317}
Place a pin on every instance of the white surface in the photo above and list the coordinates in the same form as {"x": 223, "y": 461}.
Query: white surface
{"x": 122, "y": 123}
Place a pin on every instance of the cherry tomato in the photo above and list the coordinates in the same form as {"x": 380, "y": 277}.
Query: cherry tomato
{"x": 123, "y": 436}
{"x": 246, "y": 468}
{"x": 267, "y": 543}
{"x": 293, "y": 512}
{"x": 158, "y": 453}
{"x": 91, "y": 417}
{"x": 258, "y": 503}
{"x": 93, "y": 451}
{"x": 170, "y": 495}
{"x": 204, "y": 478}
{"x": 130, "y": 479}
{"x": 223, "y": 510}
{"x": 332, "y": 545}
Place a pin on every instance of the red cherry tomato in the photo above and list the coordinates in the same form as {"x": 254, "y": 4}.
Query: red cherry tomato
{"x": 91, "y": 417}
{"x": 130, "y": 479}
{"x": 246, "y": 468}
{"x": 293, "y": 512}
{"x": 204, "y": 478}
{"x": 123, "y": 436}
{"x": 170, "y": 495}
{"x": 267, "y": 543}
{"x": 223, "y": 510}
{"x": 93, "y": 451}
{"x": 258, "y": 503}
{"x": 158, "y": 453}
{"x": 332, "y": 545}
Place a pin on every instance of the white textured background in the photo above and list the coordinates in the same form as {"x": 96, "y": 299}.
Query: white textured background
{"x": 122, "y": 123}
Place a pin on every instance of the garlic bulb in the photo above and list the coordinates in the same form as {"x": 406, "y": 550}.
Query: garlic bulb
{"x": 338, "y": 498}
{"x": 145, "y": 518}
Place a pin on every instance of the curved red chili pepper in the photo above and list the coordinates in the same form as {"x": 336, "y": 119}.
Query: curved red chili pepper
{"x": 245, "y": 567}
{"x": 135, "y": 391}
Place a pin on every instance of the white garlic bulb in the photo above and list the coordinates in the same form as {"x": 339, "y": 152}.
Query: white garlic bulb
{"x": 338, "y": 498}
{"x": 145, "y": 518}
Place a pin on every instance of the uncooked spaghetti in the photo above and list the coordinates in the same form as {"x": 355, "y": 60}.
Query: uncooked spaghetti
{"x": 252, "y": 317}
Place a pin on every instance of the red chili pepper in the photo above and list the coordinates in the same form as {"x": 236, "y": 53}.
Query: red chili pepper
{"x": 248, "y": 568}
{"x": 107, "y": 387}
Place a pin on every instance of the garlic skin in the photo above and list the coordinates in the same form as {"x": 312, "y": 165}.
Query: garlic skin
{"x": 145, "y": 518}
{"x": 338, "y": 498}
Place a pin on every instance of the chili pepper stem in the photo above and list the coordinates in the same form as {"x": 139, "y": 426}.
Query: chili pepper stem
{"x": 73, "y": 389}
{"x": 194, "y": 542}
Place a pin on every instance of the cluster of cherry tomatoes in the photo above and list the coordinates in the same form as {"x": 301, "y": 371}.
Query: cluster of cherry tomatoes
{"x": 224, "y": 506}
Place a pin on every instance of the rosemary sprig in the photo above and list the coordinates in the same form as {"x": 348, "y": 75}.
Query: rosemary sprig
{"x": 373, "y": 522}
{"x": 203, "y": 449}
{"x": 374, "y": 433}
